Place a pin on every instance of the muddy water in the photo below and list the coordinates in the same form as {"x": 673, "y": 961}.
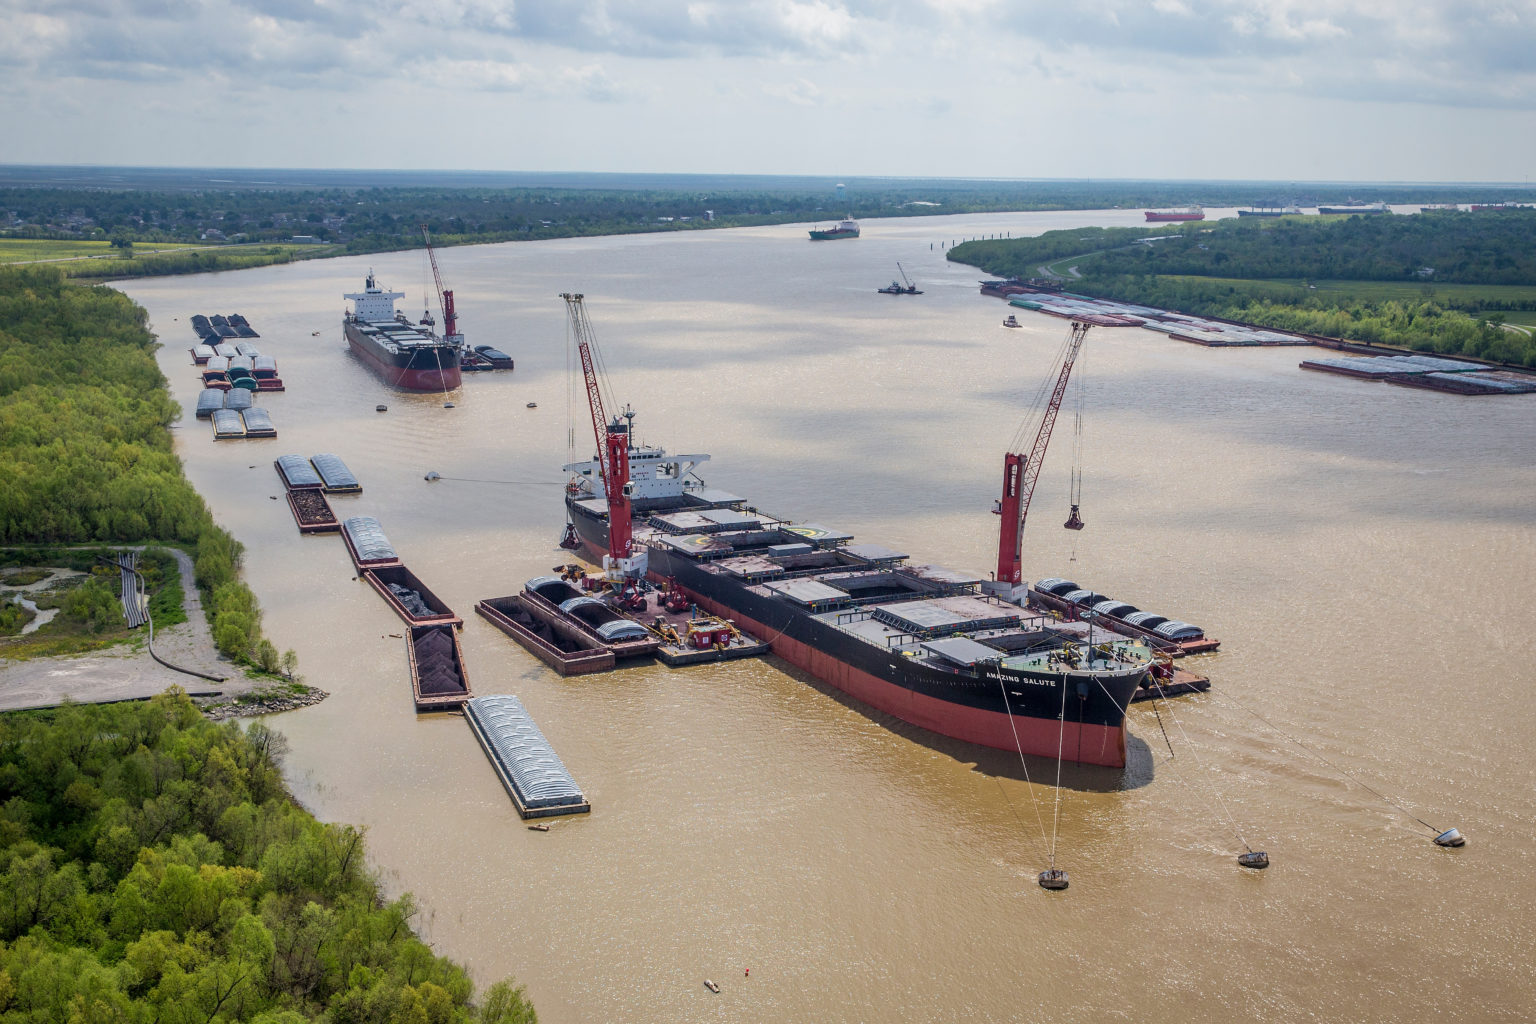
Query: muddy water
{"x": 1366, "y": 554}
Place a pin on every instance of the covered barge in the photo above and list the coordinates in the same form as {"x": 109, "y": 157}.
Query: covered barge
{"x": 533, "y": 775}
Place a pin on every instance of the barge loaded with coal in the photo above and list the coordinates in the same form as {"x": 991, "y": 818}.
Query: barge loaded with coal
{"x": 949, "y": 651}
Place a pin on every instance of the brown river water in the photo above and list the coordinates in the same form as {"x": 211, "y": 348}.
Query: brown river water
{"x": 1366, "y": 553}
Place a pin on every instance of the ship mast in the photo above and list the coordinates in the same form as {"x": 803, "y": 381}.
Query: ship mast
{"x": 1020, "y": 472}
{"x": 613, "y": 438}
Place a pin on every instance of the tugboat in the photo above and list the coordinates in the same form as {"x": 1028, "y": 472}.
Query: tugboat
{"x": 1011, "y": 321}
{"x": 902, "y": 287}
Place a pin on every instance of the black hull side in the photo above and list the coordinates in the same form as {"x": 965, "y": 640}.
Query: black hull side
{"x": 952, "y": 703}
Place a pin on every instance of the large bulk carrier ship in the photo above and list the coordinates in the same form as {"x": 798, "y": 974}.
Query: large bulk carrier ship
{"x": 952, "y": 652}
{"x": 406, "y": 355}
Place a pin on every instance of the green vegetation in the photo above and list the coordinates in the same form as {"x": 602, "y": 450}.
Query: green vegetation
{"x": 90, "y": 611}
{"x": 85, "y": 450}
{"x": 31, "y": 250}
{"x": 1441, "y": 283}
{"x": 197, "y": 261}
{"x": 13, "y": 617}
{"x": 153, "y": 869}
{"x": 361, "y": 212}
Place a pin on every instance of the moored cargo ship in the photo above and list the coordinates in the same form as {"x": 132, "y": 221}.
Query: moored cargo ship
{"x": 920, "y": 642}
{"x": 406, "y": 355}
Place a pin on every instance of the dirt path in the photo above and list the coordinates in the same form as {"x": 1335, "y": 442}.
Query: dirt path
{"x": 127, "y": 671}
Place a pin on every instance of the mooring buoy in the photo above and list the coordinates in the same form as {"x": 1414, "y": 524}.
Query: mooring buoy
{"x": 1256, "y": 859}
{"x": 381, "y": 408}
{"x": 434, "y": 475}
{"x": 447, "y": 405}
{"x": 1450, "y": 837}
{"x": 533, "y": 405}
{"x": 1054, "y": 879}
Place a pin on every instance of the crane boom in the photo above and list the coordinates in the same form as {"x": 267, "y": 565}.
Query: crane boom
{"x": 1020, "y": 473}
{"x": 444, "y": 296}
{"x": 612, "y": 440}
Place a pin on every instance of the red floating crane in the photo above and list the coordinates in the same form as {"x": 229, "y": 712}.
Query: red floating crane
{"x": 1020, "y": 473}
{"x": 444, "y": 296}
{"x": 613, "y": 438}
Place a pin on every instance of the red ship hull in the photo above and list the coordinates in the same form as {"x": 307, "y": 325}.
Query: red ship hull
{"x": 1151, "y": 216}
{"x": 431, "y": 378}
{"x": 1082, "y": 742}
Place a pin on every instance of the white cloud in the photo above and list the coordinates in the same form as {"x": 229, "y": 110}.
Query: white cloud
{"x": 800, "y": 92}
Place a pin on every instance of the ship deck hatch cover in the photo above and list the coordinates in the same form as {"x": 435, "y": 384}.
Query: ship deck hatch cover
{"x": 942, "y": 616}
{"x": 959, "y": 650}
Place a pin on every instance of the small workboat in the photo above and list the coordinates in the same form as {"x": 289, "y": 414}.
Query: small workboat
{"x": 1012, "y": 321}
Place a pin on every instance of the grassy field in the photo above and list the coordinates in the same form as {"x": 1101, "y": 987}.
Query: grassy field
{"x": 30, "y": 250}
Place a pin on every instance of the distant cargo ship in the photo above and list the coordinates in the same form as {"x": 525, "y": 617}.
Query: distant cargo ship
{"x": 407, "y": 355}
{"x": 1181, "y": 213}
{"x": 845, "y": 228}
{"x": 1355, "y": 208}
{"x": 1271, "y": 211}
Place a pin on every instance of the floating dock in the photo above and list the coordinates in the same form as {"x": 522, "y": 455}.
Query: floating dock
{"x": 409, "y": 597}
{"x": 547, "y": 635}
{"x": 438, "y": 680}
{"x": 690, "y": 635}
{"x": 311, "y": 511}
{"x": 534, "y": 777}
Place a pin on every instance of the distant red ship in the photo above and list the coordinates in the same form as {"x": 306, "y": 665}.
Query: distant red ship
{"x": 1182, "y": 213}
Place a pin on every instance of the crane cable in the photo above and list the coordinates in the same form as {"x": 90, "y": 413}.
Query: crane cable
{"x": 1324, "y": 760}
{"x": 1231, "y": 821}
{"x": 1029, "y": 425}
{"x": 1020, "y": 748}
{"x": 1061, "y": 735}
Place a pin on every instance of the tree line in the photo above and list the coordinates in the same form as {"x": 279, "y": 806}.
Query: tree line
{"x": 154, "y": 869}
{"x": 85, "y": 445}
{"x": 1261, "y": 272}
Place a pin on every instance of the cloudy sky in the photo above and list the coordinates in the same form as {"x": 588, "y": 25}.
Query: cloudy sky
{"x": 1267, "y": 89}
